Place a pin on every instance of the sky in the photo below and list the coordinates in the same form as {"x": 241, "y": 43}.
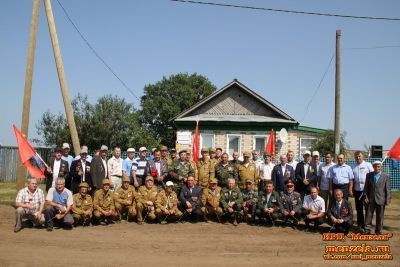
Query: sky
{"x": 281, "y": 56}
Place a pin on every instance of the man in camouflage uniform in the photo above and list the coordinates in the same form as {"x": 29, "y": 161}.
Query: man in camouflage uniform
{"x": 194, "y": 166}
{"x": 213, "y": 156}
{"x": 180, "y": 171}
{"x": 231, "y": 201}
{"x": 172, "y": 158}
{"x": 268, "y": 205}
{"x": 250, "y": 198}
{"x": 205, "y": 169}
{"x": 291, "y": 205}
{"x": 164, "y": 155}
{"x": 247, "y": 170}
{"x": 83, "y": 206}
{"x": 225, "y": 170}
{"x": 146, "y": 198}
{"x": 167, "y": 204}
{"x": 125, "y": 199}
{"x": 103, "y": 204}
{"x": 210, "y": 200}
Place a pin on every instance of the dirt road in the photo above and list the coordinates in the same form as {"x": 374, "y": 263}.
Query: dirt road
{"x": 129, "y": 244}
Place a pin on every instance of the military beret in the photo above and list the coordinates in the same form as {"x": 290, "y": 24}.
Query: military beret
{"x": 126, "y": 179}
{"x": 213, "y": 150}
{"x": 83, "y": 185}
{"x": 213, "y": 181}
{"x": 204, "y": 149}
{"x": 246, "y": 154}
{"x": 106, "y": 181}
{"x": 149, "y": 178}
{"x": 163, "y": 148}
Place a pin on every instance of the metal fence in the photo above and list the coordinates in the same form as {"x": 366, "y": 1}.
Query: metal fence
{"x": 9, "y": 161}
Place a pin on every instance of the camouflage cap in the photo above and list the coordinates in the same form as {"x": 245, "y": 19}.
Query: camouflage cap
{"x": 213, "y": 150}
{"x": 248, "y": 181}
{"x": 246, "y": 154}
{"x": 204, "y": 149}
{"x": 106, "y": 181}
{"x": 84, "y": 184}
{"x": 182, "y": 151}
{"x": 213, "y": 181}
{"x": 163, "y": 148}
{"x": 126, "y": 179}
{"x": 149, "y": 178}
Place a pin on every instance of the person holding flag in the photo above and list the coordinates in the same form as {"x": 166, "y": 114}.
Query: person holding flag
{"x": 58, "y": 168}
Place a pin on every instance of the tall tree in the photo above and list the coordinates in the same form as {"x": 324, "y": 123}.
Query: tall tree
{"x": 167, "y": 98}
{"x": 326, "y": 143}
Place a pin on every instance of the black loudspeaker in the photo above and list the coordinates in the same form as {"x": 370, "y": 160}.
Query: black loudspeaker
{"x": 376, "y": 151}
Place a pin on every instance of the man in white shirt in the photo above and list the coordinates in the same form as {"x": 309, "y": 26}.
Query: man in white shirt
{"x": 114, "y": 166}
{"x": 65, "y": 154}
{"x": 323, "y": 181}
{"x": 290, "y": 159}
{"x": 57, "y": 168}
{"x": 266, "y": 170}
{"x": 313, "y": 209}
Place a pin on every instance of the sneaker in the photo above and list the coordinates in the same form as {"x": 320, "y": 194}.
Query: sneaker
{"x": 17, "y": 229}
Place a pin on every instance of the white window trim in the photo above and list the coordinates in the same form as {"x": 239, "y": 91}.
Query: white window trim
{"x": 304, "y": 138}
{"x": 240, "y": 143}
{"x": 201, "y": 139}
{"x": 260, "y": 136}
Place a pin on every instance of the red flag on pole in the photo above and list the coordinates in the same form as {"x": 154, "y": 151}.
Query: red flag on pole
{"x": 394, "y": 152}
{"x": 196, "y": 143}
{"x": 270, "y": 148}
{"x": 28, "y": 156}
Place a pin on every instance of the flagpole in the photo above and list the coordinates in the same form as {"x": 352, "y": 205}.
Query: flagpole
{"x": 42, "y": 160}
{"x": 384, "y": 159}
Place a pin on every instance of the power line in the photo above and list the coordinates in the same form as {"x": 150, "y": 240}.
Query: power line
{"x": 317, "y": 89}
{"x": 373, "y": 47}
{"x": 286, "y": 11}
{"x": 96, "y": 53}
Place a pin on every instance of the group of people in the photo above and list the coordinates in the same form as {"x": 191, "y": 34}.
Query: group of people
{"x": 85, "y": 190}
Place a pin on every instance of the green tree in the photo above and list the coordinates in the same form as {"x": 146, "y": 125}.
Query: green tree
{"x": 110, "y": 121}
{"x": 167, "y": 98}
{"x": 326, "y": 143}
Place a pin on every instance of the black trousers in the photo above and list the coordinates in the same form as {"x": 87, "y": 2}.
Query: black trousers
{"x": 360, "y": 206}
{"x": 380, "y": 211}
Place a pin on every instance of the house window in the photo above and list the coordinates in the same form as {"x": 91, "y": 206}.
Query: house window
{"x": 259, "y": 143}
{"x": 305, "y": 144}
{"x": 233, "y": 144}
{"x": 207, "y": 140}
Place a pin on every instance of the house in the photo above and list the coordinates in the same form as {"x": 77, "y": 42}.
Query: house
{"x": 235, "y": 118}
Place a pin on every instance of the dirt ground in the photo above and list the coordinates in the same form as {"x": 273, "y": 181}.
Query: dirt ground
{"x": 128, "y": 244}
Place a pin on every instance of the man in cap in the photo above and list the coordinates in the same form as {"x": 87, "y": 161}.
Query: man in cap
{"x": 65, "y": 154}
{"x": 146, "y": 198}
{"x": 250, "y": 198}
{"x": 341, "y": 177}
{"x": 360, "y": 170}
{"x": 213, "y": 156}
{"x": 30, "y": 205}
{"x": 193, "y": 164}
{"x": 80, "y": 172}
{"x": 205, "y": 168}
{"x": 167, "y": 204}
{"x": 305, "y": 175}
{"x": 140, "y": 167}
{"x": 103, "y": 204}
{"x": 158, "y": 168}
{"x": 313, "y": 209}
{"x": 281, "y": 173}
{"x": 172, "y": 158}
{"x": 210, "y": 200}
{"x": 99, "y": 168}
{"x": 377, "y": 196}
{"x": 266, "y": 170}
{"x": 231, "y": 201}
{"x": 114, "y": 166}
{"x": 291, "y": 205}
{"x": 340, "y": 214}
{"x": 224, "y": 170}
{"x": 247, "y": 170}
{"x": 164, "y": 153}
{"x": 58, "y": 205}
{"x": 315, "y": 159}
{"x": 82, "y": 208}
{"x": 88, "y": 158}
{"x": 125, "y": 200}
{"x": 256, "y": 159}
{"x": 181, "y": 170}
{"x": 58, "y": 168}
{"x": 268, "y": 206}
{"x": 190, "y": 198}
{"x": 127, "y": 166}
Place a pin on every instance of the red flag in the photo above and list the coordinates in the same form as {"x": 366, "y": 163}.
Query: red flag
{"x": 270, "y": 148}
{"x": 28, "y": 156}
{"x": 394, "y": 152}
{"x": 196, "y": 143}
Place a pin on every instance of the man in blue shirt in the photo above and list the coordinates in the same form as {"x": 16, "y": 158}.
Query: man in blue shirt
{"x": 341, "y": 177}
{"x": 127, "y": 166}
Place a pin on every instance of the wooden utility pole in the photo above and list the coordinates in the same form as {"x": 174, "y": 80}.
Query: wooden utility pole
{"x": 28, "y": 85}
{"x": 61, "y": 77}
{"x": 337, "y": 94}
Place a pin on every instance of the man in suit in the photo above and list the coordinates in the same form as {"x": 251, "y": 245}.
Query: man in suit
{"x": 305, "y": 175}
{"x": 80, "y": 172}
{"x": 158, "y": 168}
{"x": 377, "y": 196}
{"x": 281, "y": 173}
{"x": 58, "y": 168}
{"x": 340, "y": 214}
{"x": 190, "y": 198}
{"x": 99, "y": 168}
